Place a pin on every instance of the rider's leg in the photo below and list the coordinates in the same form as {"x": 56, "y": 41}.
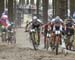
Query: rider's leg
{"x": 68, "y": 42}
{"x": 45, "y": 33}
{"x": 60, "y": 42}
{"x": 38, "y": 36}
{"x": 52, "y": 42}
{"x": 26, "y": 28}
{"x": 71, "y": 42}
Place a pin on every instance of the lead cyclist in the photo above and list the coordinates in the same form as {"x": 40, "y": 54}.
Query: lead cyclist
{"x": 58, "y": 27}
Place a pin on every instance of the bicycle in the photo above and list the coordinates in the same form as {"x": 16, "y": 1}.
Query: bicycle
{"x": 52, "y": 40}
{"x": 11, "y": 36}
{"x": 47, "y": 42}
{"x": 35, "y": 38}
{"x": 4, "y": 35}
{"x": 57, "y": 41}
{"x": 69, "y": 41}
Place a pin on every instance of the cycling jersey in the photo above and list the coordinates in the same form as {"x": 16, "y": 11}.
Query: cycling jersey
{"x": 35, "y": 24}
{"x": 69, "y": 30}
{"x": 57, "y": 27}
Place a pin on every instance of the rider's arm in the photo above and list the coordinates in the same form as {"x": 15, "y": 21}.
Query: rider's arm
{"x": 41, "y": 23}
{"x": 28, "y": 24}
{"x": 64, "y": 26}
{"x": 71, "y": 27}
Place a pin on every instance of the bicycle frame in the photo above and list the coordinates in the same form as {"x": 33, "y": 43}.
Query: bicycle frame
{"x": 35, "y": 38}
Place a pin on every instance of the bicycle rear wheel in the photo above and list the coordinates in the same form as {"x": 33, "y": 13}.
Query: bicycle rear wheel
{"x": 37, "y": 38}
{"x": 57, "y": 42}
{"x": 3, "y": 36}
{"x": 57, "y": 49}
{"x": 47, "y": 42}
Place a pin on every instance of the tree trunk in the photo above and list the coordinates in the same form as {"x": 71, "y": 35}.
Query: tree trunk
{"x": 1, "y": 7}
{"x": 72, "y": 6}
{"x": 45, "y": 11}
{"x": 37, "y": 4}
{"x": 14, "y": 10}
{"x": 60, "y": 8}
{"x": 57, "y": 8}
{"x": 63, "y": 10}
{"x": 32, "y": 1}
{"x": 6, "y": 3}
{"x": 27, "y": 2}
{"x": 20, "y": 1}
{"x": 23, "y": 2}
{"x": 54, "y": 8}
{"x": 10, "y": 10}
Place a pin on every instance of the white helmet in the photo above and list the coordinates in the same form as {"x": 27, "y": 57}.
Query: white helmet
{"x": 57, "y": 17}
{"x": 34, "y": 18}
{"x": 5, "y": 9}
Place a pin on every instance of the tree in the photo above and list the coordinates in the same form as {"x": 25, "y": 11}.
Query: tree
{"x": 10, "y": 10}
{"x": 27, "y": 2}
{"x": 22, "y": 2}
{"x": 14, "y": 10}
{"x": 1, "y": 7}
{"x": 60, "y": 8}
{"x": 37, "y": 4}
{"x": 45, "y": 11}
{"x": 7, "y": 3}
{"x": 32, "y": 1}
{"x": 63, "y": 10}
{"x": 72, "y": 6}
{"x": 54, "y": 8}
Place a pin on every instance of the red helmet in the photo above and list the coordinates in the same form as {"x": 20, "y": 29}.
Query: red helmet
{"x": 4, "y": 17}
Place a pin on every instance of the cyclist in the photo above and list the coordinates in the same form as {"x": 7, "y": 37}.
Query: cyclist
{"x": 57, "y": 23}
{"x": 57, "y": 29}
{"x": 11, "y": 33}
{"x": 35, "y": 23}
{"x": 5, "y": 21}
{"x": 69, "y": 33}
{"x": 46, "y": 28}
{"x": 12, "y": 26}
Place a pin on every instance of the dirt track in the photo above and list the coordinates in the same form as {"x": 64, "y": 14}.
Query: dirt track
{"x": 23, "y": 50}
{"x": 14, "y": 53}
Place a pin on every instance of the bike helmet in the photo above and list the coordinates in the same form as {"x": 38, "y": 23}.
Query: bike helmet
{"x": 4, "y": 17}
{"x": 34, "y": 18}
{"x": 57, "y": 21}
